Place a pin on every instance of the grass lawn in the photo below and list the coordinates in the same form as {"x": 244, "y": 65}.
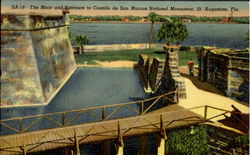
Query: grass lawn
{"x": 131, "y": 55}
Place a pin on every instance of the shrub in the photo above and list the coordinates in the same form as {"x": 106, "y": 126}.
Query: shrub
{"x": 191, "y": 141}
{"x": 184, "y": 48}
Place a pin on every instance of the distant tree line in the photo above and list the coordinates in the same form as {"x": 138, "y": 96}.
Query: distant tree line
{"x": 242, "y": 20}
{"x": 106, "y": 18}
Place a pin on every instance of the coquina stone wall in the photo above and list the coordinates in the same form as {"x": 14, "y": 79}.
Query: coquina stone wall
{"x": 227, "y": 70}
{"x": 173, "y": 63}
{"x": 36, "y": 58}
{"x": 116, "y": 47}
{"x": 143, "y": 68}
{"x": 161, "y": 76}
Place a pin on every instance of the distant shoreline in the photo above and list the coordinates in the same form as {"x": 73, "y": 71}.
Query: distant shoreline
{"x": 141, "y": 22}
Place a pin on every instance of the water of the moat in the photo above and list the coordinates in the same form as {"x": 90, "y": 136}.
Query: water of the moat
{"x": 87, "y": 87}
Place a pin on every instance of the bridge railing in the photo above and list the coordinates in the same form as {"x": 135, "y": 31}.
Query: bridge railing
{"x": 86, "y": 115}
{"x": 110, "y": 130}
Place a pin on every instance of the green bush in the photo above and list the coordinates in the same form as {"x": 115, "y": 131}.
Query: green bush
{"x": 242, "y": 20}
{"x": 184, "y": 48}
{"x": 188, "y": 141}
{"x": 241, "y": 140}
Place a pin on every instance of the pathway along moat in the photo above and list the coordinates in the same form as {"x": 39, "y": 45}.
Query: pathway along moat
{"x": 87, "y": 87}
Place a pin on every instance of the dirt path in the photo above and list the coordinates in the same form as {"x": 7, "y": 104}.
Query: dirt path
{"x": 197, "y": 97}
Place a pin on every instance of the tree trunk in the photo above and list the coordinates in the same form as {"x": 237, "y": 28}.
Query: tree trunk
{"x": 150, "y": 35}
{"x": 167, "y": 48}
{"x": 81, "y": 49}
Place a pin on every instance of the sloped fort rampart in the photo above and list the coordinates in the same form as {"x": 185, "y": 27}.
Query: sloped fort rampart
{"x": 36, "y": 58}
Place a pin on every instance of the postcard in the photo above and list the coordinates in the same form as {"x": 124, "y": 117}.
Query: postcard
{"x": 124, "y": 77}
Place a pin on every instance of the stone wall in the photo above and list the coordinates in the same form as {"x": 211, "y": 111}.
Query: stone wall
{"x": 156, "y": 73}
{"x": 143, "y": 68}
{"x": 161, "y": 76}
{"x": 36, "y": 58}
{"x": 116, "y": 47}
{"x": 175, "y": 74}
{"x": 227, "y": 70}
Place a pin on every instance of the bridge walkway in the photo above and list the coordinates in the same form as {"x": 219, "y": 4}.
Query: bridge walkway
{"x": 48, "y": 139}
{"x": 172, "y": 116}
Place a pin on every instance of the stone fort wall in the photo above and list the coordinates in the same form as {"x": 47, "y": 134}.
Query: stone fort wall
{"x": 161, "y": 76}
{"x": 36, "y": 58}
{"x": 227, "y": 70}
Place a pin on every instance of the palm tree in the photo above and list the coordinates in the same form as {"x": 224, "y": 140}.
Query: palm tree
{"x": 152, "y": 17}
{"x": 81, "y": 40}
{"x": 172, "y": 30}
{"x": 181, "y": 32}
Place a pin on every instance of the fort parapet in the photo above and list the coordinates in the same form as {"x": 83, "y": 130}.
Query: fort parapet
{"x": 36, "y": 58}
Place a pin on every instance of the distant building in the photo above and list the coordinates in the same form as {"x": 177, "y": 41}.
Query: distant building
{"x": 226, "y": 20}
{"x": 125, "y": 19}
{"x": 93, "y": 19}
{"x": 144, "y": 20}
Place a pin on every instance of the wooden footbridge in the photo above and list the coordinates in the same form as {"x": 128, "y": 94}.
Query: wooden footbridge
{"x": 66, "y": 134}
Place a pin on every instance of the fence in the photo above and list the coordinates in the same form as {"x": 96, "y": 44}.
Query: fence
{"x": 107, "y": 130}
{"x": 102, "y": 113}
{"x": 80, "y": 116}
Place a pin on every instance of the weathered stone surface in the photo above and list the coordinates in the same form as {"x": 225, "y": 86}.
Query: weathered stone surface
{"x": 117, "y": 47}
{"x": 31, "y": 22}
{"x": 34, "y": 63}
{"x": 54, "y": 57}
{"x": 173, "y": 64}
{"x": 162, "y": 76}
{"x": 156, "y": 73}
{"x": 227, "y": 70}
{"x": 20, "y": 82}
{"x": 143, "y": 67}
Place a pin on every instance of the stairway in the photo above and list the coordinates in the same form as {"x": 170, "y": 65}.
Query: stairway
{"x": 173, "y": 64}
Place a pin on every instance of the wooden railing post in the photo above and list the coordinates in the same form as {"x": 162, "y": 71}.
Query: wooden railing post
{"x": 120, "y": 139}
{"x": 103, "y": 113}
{"x": 162, "y": 129}
{"x": 20, "y": 125}
{"x": 76, "y": 144}
{"x": 63, "y": 119}
{"x": 142, "y": 107}
{"x": 120, "y": 144}
{"x": 205, "y": 113}
{"x": 177, "y": 94}
{"x": 24, "y": 150}
{"x": 162, "y": 136}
